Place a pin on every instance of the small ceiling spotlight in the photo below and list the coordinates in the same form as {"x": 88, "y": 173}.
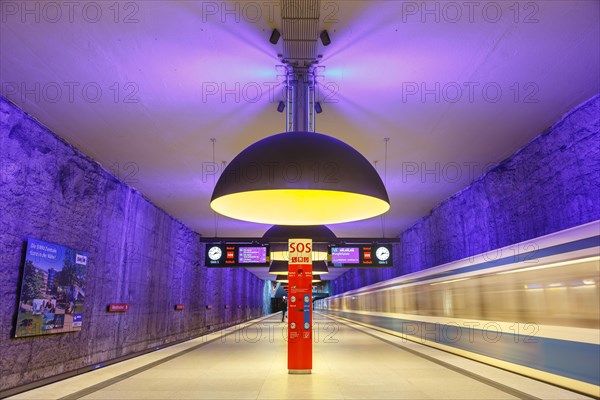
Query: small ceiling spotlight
{"x": 325, "y": 39}
{"x": 318, "y": 108}
{"x": 275, "y": 35}
{"x": 281, "y": 106}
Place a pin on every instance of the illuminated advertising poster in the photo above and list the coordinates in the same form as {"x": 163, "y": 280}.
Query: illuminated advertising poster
{"x": 52, "y": 289}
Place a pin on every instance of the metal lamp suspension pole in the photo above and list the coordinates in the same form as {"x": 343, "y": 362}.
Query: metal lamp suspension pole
{"x": 300, "y": 115}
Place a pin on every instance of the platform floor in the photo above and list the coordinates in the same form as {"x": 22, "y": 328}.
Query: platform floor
{"x": 350, "y": 362}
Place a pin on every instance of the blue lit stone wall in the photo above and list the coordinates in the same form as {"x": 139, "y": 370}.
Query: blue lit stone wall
{"x": 138, "y": 254}
{"x": 551, "y": 184}
{"x": 267, "y": 289}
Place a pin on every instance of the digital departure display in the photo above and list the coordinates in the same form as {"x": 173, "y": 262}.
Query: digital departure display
{"x": 371, "y": 255}
{"x": 236, "y": 255}
{"x": 252, "y": 255}
{"x": 345, "y": 255}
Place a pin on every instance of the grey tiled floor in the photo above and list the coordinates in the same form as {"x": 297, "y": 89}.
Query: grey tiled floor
{"x": 348, "y": 364}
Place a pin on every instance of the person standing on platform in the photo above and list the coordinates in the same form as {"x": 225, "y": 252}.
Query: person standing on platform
{"x": 284, "y": 310}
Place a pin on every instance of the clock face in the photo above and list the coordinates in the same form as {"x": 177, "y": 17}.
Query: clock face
{"x": 214, "y": 253}
{"x": 382, "y": 253}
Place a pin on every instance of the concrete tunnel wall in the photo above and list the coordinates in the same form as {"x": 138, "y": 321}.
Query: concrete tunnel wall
{"x": 138, "y": 254}
{"x": 551, "y": 184}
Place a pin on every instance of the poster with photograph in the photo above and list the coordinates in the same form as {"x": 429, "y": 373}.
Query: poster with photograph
{"x": 52, "y": 289}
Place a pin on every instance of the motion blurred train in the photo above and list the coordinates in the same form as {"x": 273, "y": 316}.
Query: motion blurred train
{"x": 531, "y": 308}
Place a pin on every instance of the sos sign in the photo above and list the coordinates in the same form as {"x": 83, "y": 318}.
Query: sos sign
{"x": 300, "y": 251}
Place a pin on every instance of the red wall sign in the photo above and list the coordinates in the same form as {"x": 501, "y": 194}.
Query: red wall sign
{"x": 300, "y": 306}
{"x": 118, "y": 307}
{"x": 179, "y": 307}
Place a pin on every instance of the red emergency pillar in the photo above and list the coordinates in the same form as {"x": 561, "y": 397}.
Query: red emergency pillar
{"x": 300, "y": 306}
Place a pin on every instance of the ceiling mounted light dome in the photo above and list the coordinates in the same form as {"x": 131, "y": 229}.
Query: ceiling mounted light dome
{"x": 279, "y": 235}
{"x": 318, "y": 254}
{"x": 281, "y": 268}
{"x": 284, "y": 279}
{"x": 278, "y": 268}
{"x": 300, "y": 178}
{"x": 320, "y": 268}
{"x": 283, "y": 233}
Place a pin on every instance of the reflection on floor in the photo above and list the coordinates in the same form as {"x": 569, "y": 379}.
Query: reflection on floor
{"x": 350, "y": 362}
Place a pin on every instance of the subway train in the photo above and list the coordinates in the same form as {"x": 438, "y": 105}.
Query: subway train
{"x": 531, "y": 308}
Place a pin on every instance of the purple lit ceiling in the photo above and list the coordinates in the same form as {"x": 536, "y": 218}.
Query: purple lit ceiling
{"x": 456, "y": 89}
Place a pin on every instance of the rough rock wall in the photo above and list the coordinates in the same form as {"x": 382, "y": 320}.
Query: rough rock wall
{"x": 551, "y": 184}
{"x": 138, "y": 254}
